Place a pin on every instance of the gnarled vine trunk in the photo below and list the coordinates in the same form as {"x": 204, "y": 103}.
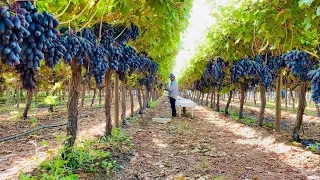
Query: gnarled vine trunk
{"x": 131, "y": 101}
{"x": 202, "y": 96}
{"x": 293, "y": 100}
{"x": 72, "y": 125}
{"x": 226, "y": 111}
{"x": 262, "y": 105}
{"x": 83, "y": 95}
{"x": 207, "y": 98}
{"x": 94, "y": 96}
{"x": 100, "y": 95}
{"x": 29, "y": 100}
{"x": 107, "y": 102}
{"x": 317, "y": 108}
{"x": 211, "y": 99}
{"x": 242, "y": 97}
{"x": 140, "y": 101}
{"x": 147, "y": 98}
{"x": 218, "y": 99}
{"x": 300, "y": 110}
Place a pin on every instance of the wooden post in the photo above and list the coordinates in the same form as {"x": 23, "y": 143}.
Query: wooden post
{"x": 123, "y": 99}
{"x": 286, "y": 100}
{"x": 116, "y": 100}
{"x": 278, "y": 101}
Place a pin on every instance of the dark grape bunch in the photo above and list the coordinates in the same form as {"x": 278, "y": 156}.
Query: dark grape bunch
{"x": 88, "y": 34}
{"x": 275, "y": 63}
{"x": 245, "y": 68}
{"x": 13, "y": 31}
{"x": 299, "y": 63}
{"x": 314, "y": 75}
{"x": 98, "y": 63}
{"x": 131, "y": 58}
{"x": 107, "y": 34}
{"x": 208, "y": 71}
{"x": 42, "y": 31}
{"x": 54, "y": 52}
{"x": 123, "y": 34}
{"x": 148, "y": 82}
{"x": 115, "y": 55}
{"x": 147, "y": 65}
{"x": 129, "y": 55}
{"x": 76, "y": 47}
{"x": 27, "y": 76}
{"x": 135, "y": 32}
{"x": 217, "y": 69}
{"x": 265, "y": 73}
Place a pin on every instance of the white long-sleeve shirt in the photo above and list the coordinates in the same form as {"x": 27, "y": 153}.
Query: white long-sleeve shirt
{"x": 173, "y": 89}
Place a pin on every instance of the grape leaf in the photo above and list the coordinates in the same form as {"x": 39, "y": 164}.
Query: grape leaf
{"x": 305, "y": 2}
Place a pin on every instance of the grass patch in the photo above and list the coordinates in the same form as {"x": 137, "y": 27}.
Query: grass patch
{"x": 16, "y": 115}
{"x": 33, "y": 121}
{"x": 92, "y": 156}
{"x": 153, "y": 104}
{"x": 218, "y": 178}
{"x": 248, "y": 120}
{"x": 98, "y": 105}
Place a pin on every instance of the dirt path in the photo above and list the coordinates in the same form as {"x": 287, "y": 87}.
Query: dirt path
{"x": 310, "y": 126}
{"x": 27, "y": 152}
{"x": 211, "y": 145}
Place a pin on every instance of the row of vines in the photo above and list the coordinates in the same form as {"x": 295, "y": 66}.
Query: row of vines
{"x": 260, "y": 46}
{"x": 79, "y": 44}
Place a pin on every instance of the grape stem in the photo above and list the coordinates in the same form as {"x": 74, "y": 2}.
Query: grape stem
{"x": 120, "y": 33}
{"x": 65, "y": 9}
{"x": 84, "y": 9}
{"x": 312, "y": 54}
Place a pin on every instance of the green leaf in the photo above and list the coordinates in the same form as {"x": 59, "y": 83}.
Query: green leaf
{"x": 305, "y": 2}
{"x": 44, "y": 143}
{"x": 124, "y": 10}
{"x": 307, "y": 23}
{"x": 238, "y": 40}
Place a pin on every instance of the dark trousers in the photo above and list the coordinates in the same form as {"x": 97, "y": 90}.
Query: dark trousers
{"x": 173, "y": 106}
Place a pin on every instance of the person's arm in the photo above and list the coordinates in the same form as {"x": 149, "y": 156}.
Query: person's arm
{"x": 172, "y": 87}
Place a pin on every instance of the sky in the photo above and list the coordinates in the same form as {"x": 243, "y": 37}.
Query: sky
{"x": 196, "y": 32}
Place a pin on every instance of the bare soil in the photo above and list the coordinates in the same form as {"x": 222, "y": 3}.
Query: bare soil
{"x": 211, "y": 145}
{"x": 26, "y": 153}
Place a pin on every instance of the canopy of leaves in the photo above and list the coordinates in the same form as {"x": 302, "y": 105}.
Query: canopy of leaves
{"x": 250, "y": 27}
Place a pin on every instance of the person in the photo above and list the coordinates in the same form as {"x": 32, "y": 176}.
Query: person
{"x": 173, "y": 93}
{"x": 283, "y": 94}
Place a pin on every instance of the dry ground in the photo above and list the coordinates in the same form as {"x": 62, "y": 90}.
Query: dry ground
{"x": 212, "y": 145}
{"x": 27, "y": 152}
